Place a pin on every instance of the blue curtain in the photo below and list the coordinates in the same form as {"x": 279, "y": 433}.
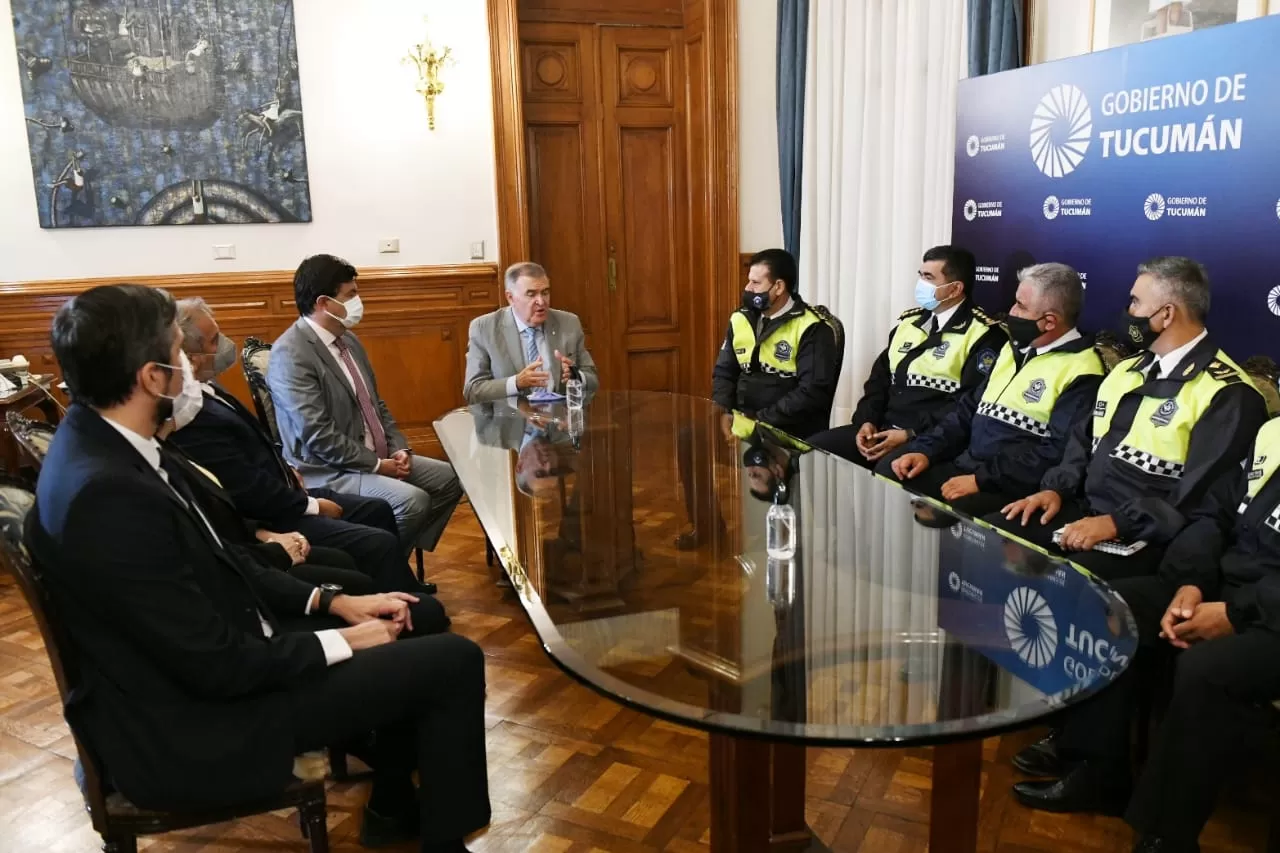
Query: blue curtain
{"x": 793, "y": 36}
{"x": 995, "y": 35}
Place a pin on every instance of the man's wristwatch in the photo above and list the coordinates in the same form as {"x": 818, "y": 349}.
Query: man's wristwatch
{"x": 328, "y": 592}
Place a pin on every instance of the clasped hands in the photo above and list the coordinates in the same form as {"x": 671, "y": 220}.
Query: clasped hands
{"x": 398, "y": 466}
{"x": 374, "y": 619}
{"x": 875, "y": 443}
{"x": 1190, "y": 619}
{"x": 533, "y": 376}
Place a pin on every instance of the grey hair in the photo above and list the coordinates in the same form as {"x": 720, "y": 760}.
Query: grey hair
{"x": 524, "y": 269}
{"x": 1183, "y": 282}
{"x": 189, "y": 310}
{"x": 1060, "y": 285}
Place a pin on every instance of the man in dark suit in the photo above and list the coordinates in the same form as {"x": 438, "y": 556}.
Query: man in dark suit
{"x": 335, "y": 427}
{"x": 205, "y": 674}
{"x": 225, "y": 438}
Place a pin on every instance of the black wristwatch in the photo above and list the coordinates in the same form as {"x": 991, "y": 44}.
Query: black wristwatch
{"x": 328, "y": 592}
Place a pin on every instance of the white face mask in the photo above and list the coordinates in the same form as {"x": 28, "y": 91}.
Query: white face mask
{"x": 189, "y": 401}
{"x": 355, "y": 312}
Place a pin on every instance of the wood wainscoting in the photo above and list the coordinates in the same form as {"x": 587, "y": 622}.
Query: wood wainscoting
{"x": 414, "y": 328}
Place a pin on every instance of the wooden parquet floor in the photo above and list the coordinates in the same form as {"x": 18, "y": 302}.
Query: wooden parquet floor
{"x": 570, "y": 771}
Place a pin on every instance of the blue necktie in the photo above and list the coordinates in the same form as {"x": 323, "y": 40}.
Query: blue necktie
{"x": 530, "y": 345}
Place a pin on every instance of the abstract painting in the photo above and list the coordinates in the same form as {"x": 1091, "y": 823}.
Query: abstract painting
{"x": 162, "y": 112}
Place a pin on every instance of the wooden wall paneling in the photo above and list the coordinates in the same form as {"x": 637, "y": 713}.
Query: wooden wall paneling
{"x": 508, "y": 129}
{"x": 626, "y": 12}
{"x": 415, "y": 326}
{"x": 648, "y": 212}
{"x": 698, "y": 365}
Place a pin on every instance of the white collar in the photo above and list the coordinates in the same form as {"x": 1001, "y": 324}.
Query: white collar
{"x": 945, "y": 316}
{"x": 148, "y": 448}
{"x": 1170, "y": 360}
{"x": 326, "y": 337}
{"x": 784, "y": 309}
{"x": 521, "y": 325}
{"x": 1073, "y": 335}
{"x": 207, "y": 388}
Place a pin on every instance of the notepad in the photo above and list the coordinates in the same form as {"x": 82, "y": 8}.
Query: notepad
{"x": 1111, "y": 546}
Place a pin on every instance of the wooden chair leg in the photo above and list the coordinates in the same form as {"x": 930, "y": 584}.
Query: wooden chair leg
{"x": 489, "y": 556}
{"x": 311, "y": 820}
{"x": 422, "y": 571}
{"x": 337, "y": 764}
{"x": 120, "y": 844}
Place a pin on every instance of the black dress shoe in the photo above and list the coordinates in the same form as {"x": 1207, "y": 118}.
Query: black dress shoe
{"x": 1155, "y": 844}
{"x": 379, "y": 830}
{"x": 426, "y": 588}
{"x": 1041, "y": 759}
{"x": 1085, "y": 789}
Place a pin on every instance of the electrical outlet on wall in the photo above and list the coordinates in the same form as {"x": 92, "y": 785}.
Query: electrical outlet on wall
{"x": 477, "y": 250}
{"x": 390, "y": 246}
{"x": 224, "y": 252}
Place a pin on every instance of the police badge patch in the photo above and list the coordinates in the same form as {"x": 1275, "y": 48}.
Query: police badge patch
{"x": 1100, "y": 409}
{"x": 905, "y": 348}
{"x": 941, "y": 350}
{"x": 1165, "y": 413}
{"x": 782, "y": 352}
{"x": 1034, "y": 391}
{"x": 986, "y": 361}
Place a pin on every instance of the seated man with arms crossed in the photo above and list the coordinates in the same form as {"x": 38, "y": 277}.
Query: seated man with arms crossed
{"x": 1004, "y": 435}
{"x": 204, "y": 673}
{"x": 527, "y": 345}
{"x": 334, "y": 427}
{"x": 1216, "y": 598}
{"x": 1166, "y": 423}
{"x": 938, "y": 351}
{"x": 223, "y": 437}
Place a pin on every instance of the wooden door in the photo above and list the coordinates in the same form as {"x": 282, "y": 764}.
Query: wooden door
{"x": 603, "y": 132}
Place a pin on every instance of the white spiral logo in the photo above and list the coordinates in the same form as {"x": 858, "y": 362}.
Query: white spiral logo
{"x": 1273, "y": 300}
{"x": 1153, "y": 207}
{"x": 970, "y": 210}
{"x": 1030, "y": 627}
{"x": 1278, "y": 210}
{"x": 971, "y": 146}
{"x": 1051, "y": 207}
{"x": 1065, "y": 108}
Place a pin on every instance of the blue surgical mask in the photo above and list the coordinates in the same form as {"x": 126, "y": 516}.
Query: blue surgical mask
{"x": 927, "y": 295}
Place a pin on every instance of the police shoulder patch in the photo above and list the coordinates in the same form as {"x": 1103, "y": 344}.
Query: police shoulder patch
{"x": 983, "y": 317}
{"x": 1223, "y": 372}
{"x": 911, "y": 312}
{"x": 986, "y": 360}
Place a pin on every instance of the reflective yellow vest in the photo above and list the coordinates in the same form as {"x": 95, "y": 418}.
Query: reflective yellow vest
{"x": 1266, "y": 458}
{"x": 1025, "y": 398}
{"x": 940, "y": 367}
{"x": 779, "y": 347}
{"x": 1161, "y": 431}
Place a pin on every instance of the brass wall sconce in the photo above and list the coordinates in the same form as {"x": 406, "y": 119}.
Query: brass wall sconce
{"x": 429, "y": 63}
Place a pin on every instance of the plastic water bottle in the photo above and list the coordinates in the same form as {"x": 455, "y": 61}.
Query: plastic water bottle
{"x": 573, "y": 394}
{"x": 780, "y": 582}
{"x": 780, "y": 528}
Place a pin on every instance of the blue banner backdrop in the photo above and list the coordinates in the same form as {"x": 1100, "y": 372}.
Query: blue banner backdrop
{"x": 1171, "y": 147}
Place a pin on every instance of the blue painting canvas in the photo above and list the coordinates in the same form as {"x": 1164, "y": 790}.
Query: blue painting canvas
{"x": 162, "y": 112}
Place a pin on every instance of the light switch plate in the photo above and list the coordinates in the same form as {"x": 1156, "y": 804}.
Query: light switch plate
{"x": 390, "y": 246}
{"x": 224, "y": 252}
{"x": 477, "y": 250}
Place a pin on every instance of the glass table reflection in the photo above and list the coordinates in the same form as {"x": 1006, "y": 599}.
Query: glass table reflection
{"x": 878, "y": 631}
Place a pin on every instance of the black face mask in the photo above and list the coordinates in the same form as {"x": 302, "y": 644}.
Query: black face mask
{"x": 753, "y": 301}
{"x": 1022, "y": 331}
{"x": 1137, "y": 331}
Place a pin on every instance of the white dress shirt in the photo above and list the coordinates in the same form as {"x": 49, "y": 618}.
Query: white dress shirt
{"x": 313, "y": 505}
{"x": 327, "y": 338}
{"x": 1073, "y": 335}
{"x": 336, "y": 649}
{"x": 543, "y": 352}
{"x": 1170, "y": 360}
{"x": 941, "y": 320}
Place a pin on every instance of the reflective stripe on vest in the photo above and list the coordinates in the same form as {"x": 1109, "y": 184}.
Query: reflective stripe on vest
{"x": 1266, "y": 458}
{"x": 939, "y": 367}
{"x": 779, "y": 348}
{"x": 1161, "y": 431}
{"x": 1024, "y": 399}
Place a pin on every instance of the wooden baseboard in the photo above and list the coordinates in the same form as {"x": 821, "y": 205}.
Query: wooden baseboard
{"x": 415, "y": 326}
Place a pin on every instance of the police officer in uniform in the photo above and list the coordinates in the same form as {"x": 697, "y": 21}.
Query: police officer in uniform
{"x": 779, "y": 365}
{"x": 1005, "y": 434}
{"x": 1216, "y": 598}
{"x": 1167, "y": 422}
{"x": 937, "y": 351}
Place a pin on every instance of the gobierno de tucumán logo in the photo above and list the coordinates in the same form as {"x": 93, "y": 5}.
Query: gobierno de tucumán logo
{"x": 1030, "y": 627}
{"x": 1061, "y": 128}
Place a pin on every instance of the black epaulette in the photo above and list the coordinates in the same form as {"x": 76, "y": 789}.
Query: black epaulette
{"x": 1223, "y": 372}
{"x": 984, "y": 318}
{"x": 824, "y": 314}
{"x": 910, "y": 312}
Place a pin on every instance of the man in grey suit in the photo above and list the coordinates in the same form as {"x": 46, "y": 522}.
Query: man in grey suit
{"x": 334, "y": 427}
{"x": 527, "y": 345}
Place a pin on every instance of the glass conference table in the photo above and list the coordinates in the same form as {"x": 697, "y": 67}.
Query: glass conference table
{"x": 877, "y": 632}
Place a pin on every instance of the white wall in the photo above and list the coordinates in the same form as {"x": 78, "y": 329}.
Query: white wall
{"x": 759, "y": 193}
{"x": 375, "y": 170}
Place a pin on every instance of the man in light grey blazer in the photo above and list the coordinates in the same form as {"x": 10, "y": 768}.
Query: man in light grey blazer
{"x": 527, "y": 344}
{"x": 334, "y": 427}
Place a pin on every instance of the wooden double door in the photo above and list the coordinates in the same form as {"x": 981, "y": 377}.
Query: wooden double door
{"x": 605, "y": 144}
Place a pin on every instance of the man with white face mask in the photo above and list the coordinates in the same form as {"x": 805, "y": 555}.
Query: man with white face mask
{"x": 334, "y": 427}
